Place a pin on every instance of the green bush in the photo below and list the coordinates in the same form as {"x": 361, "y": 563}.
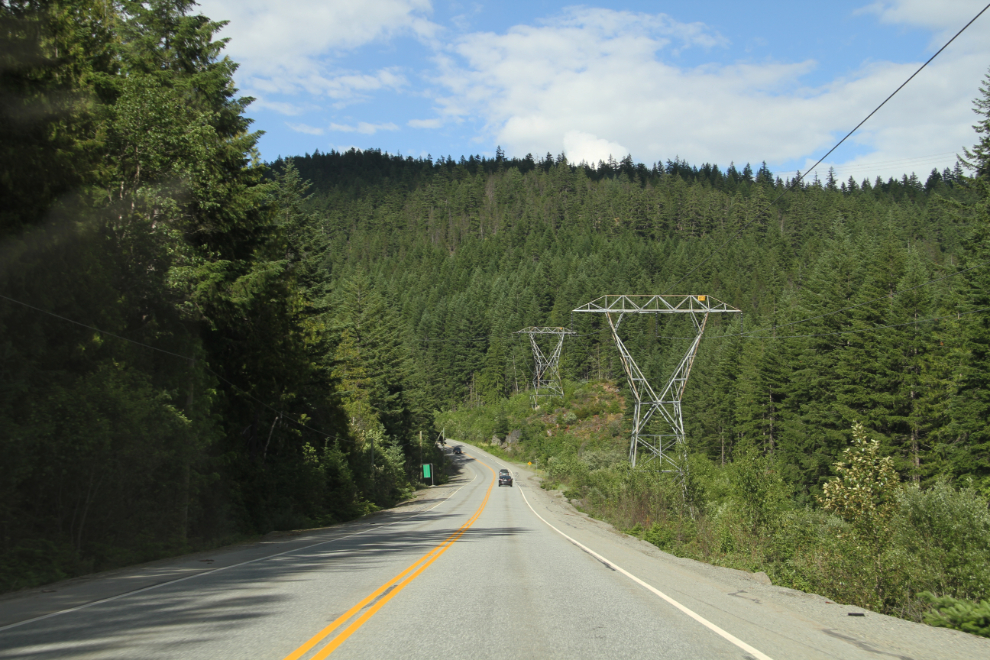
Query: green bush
{"x": 589, "y": 409}
{"x": 949, "y": 612}
{"x": 943, "y": 534}
{"x": 603, "y": 459}
{"x": 662, "y": 536}
{"x": 759, "y": 490}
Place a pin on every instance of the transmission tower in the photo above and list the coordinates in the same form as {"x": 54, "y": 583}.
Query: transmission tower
{"x": 546, "y": 375}
{"x": 669, "y": 447}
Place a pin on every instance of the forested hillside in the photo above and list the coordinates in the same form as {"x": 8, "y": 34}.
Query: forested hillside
{"x": 196, "y": 345}
{"x": 862, "y": 301}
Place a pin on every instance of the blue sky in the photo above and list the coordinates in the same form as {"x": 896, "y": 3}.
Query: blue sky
{"x": 704, "y": 81}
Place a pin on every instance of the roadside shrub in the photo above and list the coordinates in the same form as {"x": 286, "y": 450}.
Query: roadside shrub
{"x": 801, "y": 554}
{"x": 602, "y": 459}
{"x": 662, "y": 536}
{"x": 944, "y": 534}
{"x": 565, "y": 467}
{"x": 865, "y": 491}
{"x": 759, "y": 489}
{"x": 390, "y": 481}
{"x": 949, "y": 612}
{"x": 725, "y": 525}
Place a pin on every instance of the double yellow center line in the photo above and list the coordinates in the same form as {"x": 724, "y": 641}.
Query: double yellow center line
{"x": 384, "y": 593}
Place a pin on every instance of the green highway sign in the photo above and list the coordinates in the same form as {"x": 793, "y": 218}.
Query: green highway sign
{"x": 426, "y": 470}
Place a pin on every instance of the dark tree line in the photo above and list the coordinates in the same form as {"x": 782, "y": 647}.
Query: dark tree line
{"x": 167, "y": 350}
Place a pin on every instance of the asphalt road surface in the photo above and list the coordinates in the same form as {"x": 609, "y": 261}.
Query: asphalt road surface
{"x": 468, "y": 570}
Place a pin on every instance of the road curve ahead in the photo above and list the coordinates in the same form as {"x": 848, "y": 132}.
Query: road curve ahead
{"x": 473, "y": 570}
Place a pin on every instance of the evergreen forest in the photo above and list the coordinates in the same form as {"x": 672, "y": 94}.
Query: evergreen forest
{"x": 197, "y": 346}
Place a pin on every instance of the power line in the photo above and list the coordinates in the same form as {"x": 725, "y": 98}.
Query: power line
{"x": 871, "y": 328}
{"x": 980, "y": 13}
{"x": 458, "y": 340}
{"x": 791, "y": 323}
{"x": 800, "y": 176}
{"x": 841, "y": 332}
{"x": 843, "y": 309}
{"x": 872, "y": 300}
{"x": 94, "y": 329}
{"x": 161, "y": 350}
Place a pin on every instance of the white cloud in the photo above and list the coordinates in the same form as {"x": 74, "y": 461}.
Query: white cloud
{"x": 869, "y": 167}
{"x": 594, "y": 80}
{"x": 937, "y": 16}
{"x": 282, "y": 47}
{"x": 585, "y": 147}
{"x": 424, "y": 123}
{"x": 303, "y": 128}
{"x": 348, "y": 86}
{"x": 343, "y": 89}
{"x": 364, "y": 128}
{"x": 261, "y": 103}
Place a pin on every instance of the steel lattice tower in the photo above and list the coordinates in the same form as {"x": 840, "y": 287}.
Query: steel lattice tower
{"x": 670, "y": 448}
{"x": 546, "y": 375}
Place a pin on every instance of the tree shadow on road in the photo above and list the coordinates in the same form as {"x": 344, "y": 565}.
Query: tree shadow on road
{"x": 214, "y": 606}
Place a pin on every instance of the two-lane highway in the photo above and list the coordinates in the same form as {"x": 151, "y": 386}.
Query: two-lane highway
{"x": 473, "y": 570}
{"x": 511, "y": 587}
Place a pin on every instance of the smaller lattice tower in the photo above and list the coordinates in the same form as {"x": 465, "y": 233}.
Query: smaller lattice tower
{"x": 546, "y": 374}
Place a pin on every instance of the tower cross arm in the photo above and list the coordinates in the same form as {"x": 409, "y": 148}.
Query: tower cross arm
{"x": 658, "y": 304}
{"x": 534, "y": 330}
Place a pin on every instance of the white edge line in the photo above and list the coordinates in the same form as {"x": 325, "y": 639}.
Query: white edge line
{"x": 697, "y": 617}
{"x": 217, "y": 570}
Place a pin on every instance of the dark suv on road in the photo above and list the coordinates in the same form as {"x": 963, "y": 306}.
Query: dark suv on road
{"x": 457, "y": 450}
{"x": 504, "y": 478}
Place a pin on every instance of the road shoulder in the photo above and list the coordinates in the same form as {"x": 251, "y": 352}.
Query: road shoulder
{"x": 795, "y": 621}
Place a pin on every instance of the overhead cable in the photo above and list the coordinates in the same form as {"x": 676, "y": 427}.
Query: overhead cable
{"x": 161, "y": 350}
{"x": 94, "y": 329}
{"x": 892, "y": 94}
{"x": 801, "y": 176}
{"x": 891, "y": 295}
{"x": 869, "y": 329}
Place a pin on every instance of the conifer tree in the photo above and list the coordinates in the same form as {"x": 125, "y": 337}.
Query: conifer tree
{"x": 760, "y": 393}
{"x": 492, "y": 381}
{"x": 977, "y": 159}
{"x": 971, "y": 405}
{"x": 370, "y": 358}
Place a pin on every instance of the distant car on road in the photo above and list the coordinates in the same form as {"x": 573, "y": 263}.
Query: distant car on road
{"x": 504, "y": 478}
{"x": 457, "y": 450}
